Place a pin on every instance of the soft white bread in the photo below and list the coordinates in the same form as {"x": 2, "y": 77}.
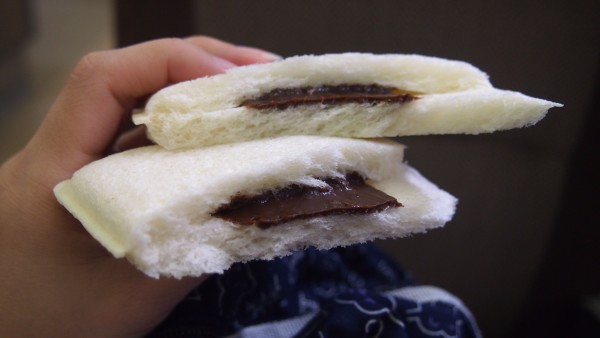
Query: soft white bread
{"x": 154, "y": 206}
{"x": 453, "y": 97}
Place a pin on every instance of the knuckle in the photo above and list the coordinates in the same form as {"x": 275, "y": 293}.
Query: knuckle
{"x": 204, "y": 39}
{"x": 172, "y": 43}
{"x": 87, "y": 66}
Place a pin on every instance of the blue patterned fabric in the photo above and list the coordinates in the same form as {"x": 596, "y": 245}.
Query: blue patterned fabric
{"x": 344, "y": 292}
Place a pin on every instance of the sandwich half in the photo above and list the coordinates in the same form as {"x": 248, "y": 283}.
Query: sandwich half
{"x": 354, "y": 95}
{"x": 187, "y": 213}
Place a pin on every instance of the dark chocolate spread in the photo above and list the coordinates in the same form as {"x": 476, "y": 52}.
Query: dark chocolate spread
{"x": 349, "y": 195}
{"x": 283, "y": 98}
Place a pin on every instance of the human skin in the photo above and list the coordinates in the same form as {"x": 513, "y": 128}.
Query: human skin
{"x": 55, "y": 279}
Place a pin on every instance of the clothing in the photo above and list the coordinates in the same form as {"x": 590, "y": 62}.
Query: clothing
{"x": 355, "y": 291}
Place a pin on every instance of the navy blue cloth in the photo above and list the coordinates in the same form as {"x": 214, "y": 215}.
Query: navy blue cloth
{"x": 355, "y": 291}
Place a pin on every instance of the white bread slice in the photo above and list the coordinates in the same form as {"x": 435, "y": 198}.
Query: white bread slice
{"x": 454, "y": 97}
{"x": 154, "y": 206}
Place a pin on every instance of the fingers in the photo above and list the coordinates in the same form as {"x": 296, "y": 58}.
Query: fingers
{"x": 105, "y": 86}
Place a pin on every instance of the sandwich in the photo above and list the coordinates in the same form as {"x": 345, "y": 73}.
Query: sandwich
{"x": 198, "y": 211}
{"x": 353, "y": 95}
{"x": 268, "y": 159}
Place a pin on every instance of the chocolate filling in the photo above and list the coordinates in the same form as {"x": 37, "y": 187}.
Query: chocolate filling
{"x": 283, "y": 98}
{"x": 349, "y": 195}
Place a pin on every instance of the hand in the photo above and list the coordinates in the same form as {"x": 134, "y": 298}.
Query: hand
{"x": 55, "y": 279}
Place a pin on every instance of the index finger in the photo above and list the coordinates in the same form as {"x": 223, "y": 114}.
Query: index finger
{"x": 103, "y": 88}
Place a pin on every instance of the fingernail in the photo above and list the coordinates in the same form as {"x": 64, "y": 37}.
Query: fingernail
{"x": 268, "y": 56}
{"x": 261, "y": 55}
{"x": 222, "y": 64}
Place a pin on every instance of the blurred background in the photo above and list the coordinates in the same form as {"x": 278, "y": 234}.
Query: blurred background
{"x": 523, "y": 251}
